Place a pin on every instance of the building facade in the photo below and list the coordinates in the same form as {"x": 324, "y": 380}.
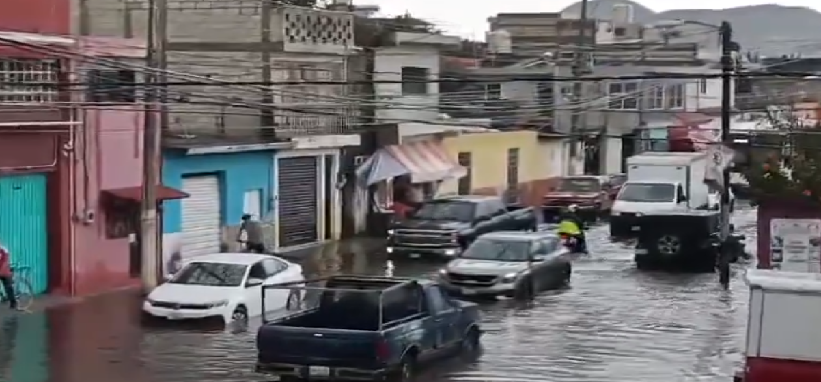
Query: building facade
{"x": 62, "y": 166}
{"x": 514, "y": 164}
{"x": 215, "y": 129}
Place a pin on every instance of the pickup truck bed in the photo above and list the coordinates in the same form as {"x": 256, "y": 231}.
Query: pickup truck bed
{"x": 360, "y": 335}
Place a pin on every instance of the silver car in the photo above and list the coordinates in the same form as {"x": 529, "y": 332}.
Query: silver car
{"x": 513, "y": 264}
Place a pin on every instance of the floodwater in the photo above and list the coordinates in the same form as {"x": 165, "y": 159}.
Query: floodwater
{"x": 613, "y": 324}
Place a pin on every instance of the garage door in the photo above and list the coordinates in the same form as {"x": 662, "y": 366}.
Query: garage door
{"x": 298, "y": 190}
{"x": 200, "y": 216}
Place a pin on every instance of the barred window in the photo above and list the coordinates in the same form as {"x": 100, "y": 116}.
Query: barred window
{"x": 29, "y": 80}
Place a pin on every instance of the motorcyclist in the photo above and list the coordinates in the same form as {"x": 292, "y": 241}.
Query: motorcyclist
{"x": 571, "y": 224}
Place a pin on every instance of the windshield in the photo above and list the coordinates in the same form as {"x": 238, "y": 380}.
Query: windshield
{"x": 648, "y": 193}
{"x": 449, "y": 210}
{"x": 500, "y": 250}
{"x": 579, "y": 185}
{"x": 211, "y": 274}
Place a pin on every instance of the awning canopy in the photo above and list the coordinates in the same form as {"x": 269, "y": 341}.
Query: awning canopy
{"x": 135, "y": 194}
{"x": 425, "y": 161}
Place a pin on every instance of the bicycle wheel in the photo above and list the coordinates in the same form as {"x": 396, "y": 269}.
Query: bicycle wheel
{"x": 25, "y": 294}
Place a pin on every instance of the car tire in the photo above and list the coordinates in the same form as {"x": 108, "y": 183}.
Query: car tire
{"x": 470, "y": 343}
{"x": 525, "y": 291}
{"x": 406, "y": 370}
{"x": 567, "y": 275}
{"x": 240, "y": 316}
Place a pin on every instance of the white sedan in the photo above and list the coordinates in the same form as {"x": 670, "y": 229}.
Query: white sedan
{"x": 226, "y": 285}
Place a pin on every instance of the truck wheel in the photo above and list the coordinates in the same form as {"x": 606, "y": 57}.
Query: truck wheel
{"x": 406, "y": 369}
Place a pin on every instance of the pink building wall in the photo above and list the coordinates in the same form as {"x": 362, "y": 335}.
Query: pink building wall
{"x": 114, "y": 160}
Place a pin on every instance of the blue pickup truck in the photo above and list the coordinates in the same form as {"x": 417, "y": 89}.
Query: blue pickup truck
{"x": 367, "y": 328}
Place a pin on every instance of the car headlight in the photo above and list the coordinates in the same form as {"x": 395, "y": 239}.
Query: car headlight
{"x": 443, "y": 272}
{"x": 391, "y": 231}
{"x": 615, "y": 213}
{"x": 509, "y": 278}
{"x": 149, "y": 300}
{"x": 217, "y": 304}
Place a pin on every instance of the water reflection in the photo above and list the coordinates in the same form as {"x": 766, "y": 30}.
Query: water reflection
{"x": 612, "y": 324}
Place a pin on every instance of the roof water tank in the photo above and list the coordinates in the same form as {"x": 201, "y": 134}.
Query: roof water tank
{"x": 499, "y": 42}
{"x": 622, "y": 14}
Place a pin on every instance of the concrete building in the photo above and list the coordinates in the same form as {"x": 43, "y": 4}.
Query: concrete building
{"x": 71, "y": 175}
{"x": 533, "y": 34}
{"x": 285, "y": 134}
{"x": 636, "y": 114}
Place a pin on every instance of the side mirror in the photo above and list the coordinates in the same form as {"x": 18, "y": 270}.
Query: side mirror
{"x": 253, "y": 282}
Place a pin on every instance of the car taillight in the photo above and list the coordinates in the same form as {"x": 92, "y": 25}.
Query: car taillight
{"x": 383, "y": 350}
{"x": 563, "y": 236}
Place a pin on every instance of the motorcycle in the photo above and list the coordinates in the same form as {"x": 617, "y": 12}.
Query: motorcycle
{"x": 570, "y": 242}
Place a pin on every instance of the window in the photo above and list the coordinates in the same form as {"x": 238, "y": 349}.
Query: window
{"x": 15, "y": 73}
{"x": 655, "y": 98}
{"x": 623, "y": 95}
{"x": 257, "y": 272}
{"x": 121, "y": 219}
{"x": 464, "y": 186}
{"x": 273, "y": 267}
{"x": 413, "y": 80}
{"x": 702, "y": 86}
{"x": 112, "y": 86}
{"x": 493, "y": 91}
{"x": 438, "y": 301}
{"x": 212, "y": 274}
{"x": 674, "y": 95}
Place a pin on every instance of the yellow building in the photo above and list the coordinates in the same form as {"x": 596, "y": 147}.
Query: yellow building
{"x": 489, "y": 156}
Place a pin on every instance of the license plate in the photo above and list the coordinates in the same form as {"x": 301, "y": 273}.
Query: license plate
{"x": 415, "y": 255}
{"x": 466, "y": 291}
{"x": 319, "y": 371}
{"x": 641, "y": 251}
{"x": 635, "y": 228}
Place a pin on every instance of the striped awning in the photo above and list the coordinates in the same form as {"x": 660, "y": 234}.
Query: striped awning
{"x": 424, "y": 161}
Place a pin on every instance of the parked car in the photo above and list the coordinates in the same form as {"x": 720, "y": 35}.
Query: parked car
{"x": 589, "y": 192}
{"x": 368, "y": 328}
{"x": 678, "y": 240}
{"x": 222, "y": 285}
{"x": 513, "y": 264}
{"x": 614, "y": 184}
{"x": 446, "y": 226}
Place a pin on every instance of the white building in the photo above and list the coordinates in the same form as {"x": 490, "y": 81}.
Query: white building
{"x": 412, "y": 58}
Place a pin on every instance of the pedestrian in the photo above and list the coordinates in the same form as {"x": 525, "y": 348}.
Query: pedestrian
{"x": 250, "y": 233}
{"x": 6, "y": 277}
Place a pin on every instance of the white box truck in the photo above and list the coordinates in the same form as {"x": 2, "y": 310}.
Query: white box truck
{"x": 660, "y": 181}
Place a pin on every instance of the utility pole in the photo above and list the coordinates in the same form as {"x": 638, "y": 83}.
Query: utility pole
{"x": 727, "y": 69}
{"x": 578, "y": 71}
{"x": 149, "y": 233}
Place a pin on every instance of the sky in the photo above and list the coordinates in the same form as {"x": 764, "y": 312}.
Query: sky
{"x": 468, "y": 17}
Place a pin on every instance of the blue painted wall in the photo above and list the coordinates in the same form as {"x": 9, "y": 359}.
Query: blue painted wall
{"x": 238, "y": 172}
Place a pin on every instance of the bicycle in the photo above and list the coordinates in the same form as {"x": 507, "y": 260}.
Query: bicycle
{"x": 22, "y": 287}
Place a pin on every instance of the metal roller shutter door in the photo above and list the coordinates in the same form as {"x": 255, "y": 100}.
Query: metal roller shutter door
{"x": 298, "y": 207}
{"x": 200, "y": 216}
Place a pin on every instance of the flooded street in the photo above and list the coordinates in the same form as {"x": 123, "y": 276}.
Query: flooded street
{"x": 613, "y": 324}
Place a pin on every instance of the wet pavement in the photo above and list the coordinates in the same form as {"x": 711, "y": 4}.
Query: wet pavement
{"x": 613, "y": 324}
